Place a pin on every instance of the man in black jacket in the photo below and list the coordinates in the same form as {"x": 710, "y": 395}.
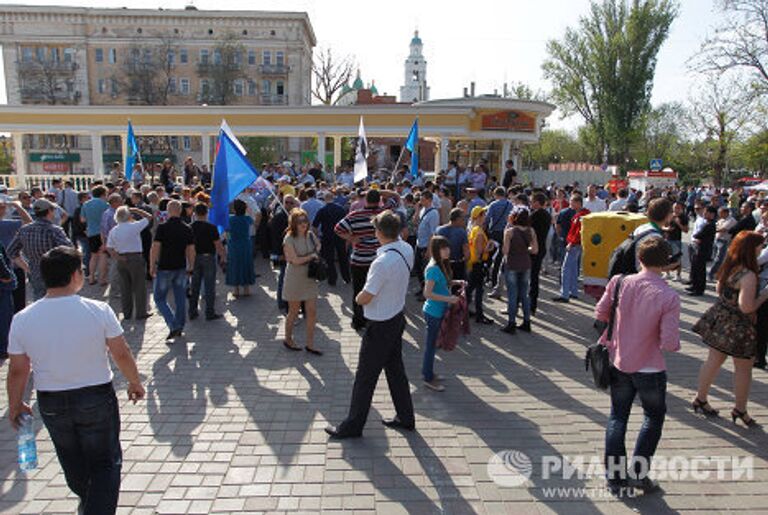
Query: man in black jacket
{"x": 701, "y": 246}
{"x": 510, "y": 174}
{"x": 541, "y": 221}
{"x": 332, "y": 248}
{"x": 747, "y": 222}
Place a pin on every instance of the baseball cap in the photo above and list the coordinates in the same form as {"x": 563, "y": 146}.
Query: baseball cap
{"x": 42, "y": 205}
{"x": 477, "y": 211}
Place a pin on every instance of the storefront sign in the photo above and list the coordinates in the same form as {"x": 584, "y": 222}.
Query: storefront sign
{"x": 509, "y": 121}
{"x": 54, "y": 157}
{"x": 56, "y": 167}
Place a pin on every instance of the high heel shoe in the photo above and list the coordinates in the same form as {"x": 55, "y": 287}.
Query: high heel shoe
{"x": 704, "y": 406}
{"x": 744, "y": 417}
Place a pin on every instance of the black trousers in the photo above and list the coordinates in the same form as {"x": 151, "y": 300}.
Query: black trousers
{"x": 335, "y": 252}
{"x": 533, "y": 291}
{"x": 20, "y": 293}
{"x": 359, "y": 274}
{"x": 420, "y": 263}
{"x": 459, "y": 270}
{"x": 475, "y": 287}
{"x": 698, "y": 273}
{"x": 498, "y": 237}
{"x": 381, "y": 349}
{"x": 762, "y": 333}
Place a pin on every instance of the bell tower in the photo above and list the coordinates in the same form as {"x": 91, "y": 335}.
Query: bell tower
{"x": 415, "y": 87}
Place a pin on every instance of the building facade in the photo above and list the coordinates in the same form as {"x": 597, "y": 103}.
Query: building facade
{"x": 415, "y": 87}
{"x": 84, "y": 56}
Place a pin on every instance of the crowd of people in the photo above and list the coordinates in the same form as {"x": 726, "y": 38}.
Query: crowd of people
{"x": 458, "y": 235}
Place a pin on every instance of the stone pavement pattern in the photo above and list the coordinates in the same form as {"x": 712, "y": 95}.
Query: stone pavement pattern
{"x": 234, "y": 423}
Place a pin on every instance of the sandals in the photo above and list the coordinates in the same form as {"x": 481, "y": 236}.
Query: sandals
{"x": 291, "y": 346}
{"x": 744, "y": 417}
{"x": 705, "y": 408}
{"x": 313, "y": 351}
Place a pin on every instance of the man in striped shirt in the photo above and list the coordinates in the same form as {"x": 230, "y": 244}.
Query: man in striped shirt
{"x": 357, "y": 229}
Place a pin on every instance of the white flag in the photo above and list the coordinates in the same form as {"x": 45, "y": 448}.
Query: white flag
{"x": 231, "y": 135}
{"x": 361, "y": 154}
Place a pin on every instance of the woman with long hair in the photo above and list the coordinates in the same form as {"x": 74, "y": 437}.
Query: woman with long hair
{"x": 240, "y": 272}
{"x": 518, "y": 245}
{"x": 437, "y": 292}
{"x": 300, "y": 246}
{"x": 728, "y": 327}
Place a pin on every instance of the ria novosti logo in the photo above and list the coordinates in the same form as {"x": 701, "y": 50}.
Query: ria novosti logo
{"x": 510, "y": 468}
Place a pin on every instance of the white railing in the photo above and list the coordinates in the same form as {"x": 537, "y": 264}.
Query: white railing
{"x": 12, "y": 182}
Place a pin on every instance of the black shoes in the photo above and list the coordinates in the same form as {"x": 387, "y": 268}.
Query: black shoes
{"x": 215, "y": 316}
{"x": 174, "y": 334}
{"x": 560, "y": 299}
{"x": 482, "y": 319}
{"x": 525, "y": 327}
{"x": 333, "y": 432}
{"x": 193, "y": 316}
{"x": 509, "y": 329}
{"x": 395, "y": 423}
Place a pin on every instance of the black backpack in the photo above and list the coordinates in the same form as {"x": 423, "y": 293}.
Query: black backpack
{"x": 622, "y": 261}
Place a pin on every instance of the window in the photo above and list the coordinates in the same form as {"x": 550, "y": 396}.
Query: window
{"x": 171, "y": 57}
{"x": 26, "y": 54}
{"x": 280, "y": 58}
{"x": 266, "y": 58}
{"x": 69, "y": 55}
{"x": 55, "y": 55}
{"x": 112, "y": 56}
{"x": 251, "y": 57}
{"x": 40, "y": 51}
{"x": 238, "y": 87}
{"x": 99, "y": 55}
{"x": 175, "y": 142}
{"x": 216, "y": 56}
{"x": 172, "y": 85}
{"x": 102, "y": 86}
{"x": 266, "y": 87}
{"x": 205, "y": 88}
{"x": 147, "y": 56}
{"x": 279, "y": 88}
{"x": 186, "y": 142}
{"x": 203, "y": 56}
{"x": 238, "y": 58}
{"x": 183, "y": 56}
{"x": 70, "y": 86}
{"x": 251, "y": 88}
{"x": 114, "y": 87}
{"x": 184, "y": 86}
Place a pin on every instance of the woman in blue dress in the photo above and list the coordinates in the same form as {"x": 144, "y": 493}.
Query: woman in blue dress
{"x": 239, "y": 251}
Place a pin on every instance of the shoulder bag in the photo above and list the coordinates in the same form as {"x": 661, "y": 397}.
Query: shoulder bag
{"x": 597, "y": 354}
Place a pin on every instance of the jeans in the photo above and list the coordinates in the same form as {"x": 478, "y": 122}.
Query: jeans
{"x": 85, "y": 248}
{"x": 84, "y": 425}
{"x": 281, "y": 304}
{"x": 204, "y": 273}
{"x": 570, "y": 273}
{"x": 38, "y": 286}
{"x": 652, "y": 389}
{"x": 175, "y": 280}
{"x": 517, "y": 293}
{"x": 721, "y": 249}
{"x": 433, "y": 331}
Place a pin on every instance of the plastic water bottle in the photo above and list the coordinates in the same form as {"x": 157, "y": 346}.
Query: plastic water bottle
{"x": 27, "y": 444}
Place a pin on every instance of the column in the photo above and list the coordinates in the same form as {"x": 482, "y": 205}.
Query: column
{"x": 517, "y": 159}
{"x": 443, "y": 152}
{"x": 98, "y": 155}
{"x": 205, "y": 139}
{"x": 20, "y": 158}
{"x": 321, "y": 149}
{"x": 336, "y": 154}
{"x": 506, "y": 147}
{"x": 124, "y": 150}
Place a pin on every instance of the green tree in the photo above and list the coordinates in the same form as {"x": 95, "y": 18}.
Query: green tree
{"x": 752, "y": 154}
{"x": 263, "y": 149}
{"x": 603, "y": 69}
{"x": 554, "y": 146}
{"x": 662, "y": 134}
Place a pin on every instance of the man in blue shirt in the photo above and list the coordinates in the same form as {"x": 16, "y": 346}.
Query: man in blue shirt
{"x": 311, "y": 205}
{"x": 429, "y": 220}
{"x": 332, "y": 247}
{"x": 90, "y": 215}
{"x": 456, "y": 234}
{"x": 496, "y": 222}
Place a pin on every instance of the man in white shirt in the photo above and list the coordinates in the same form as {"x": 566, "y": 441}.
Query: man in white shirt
{"x": 73, "y": 379}
{"x": 383, "y": 301}
{"x": 594, "y": 203}
{"x": 620, "y": 204}
{"x": 124, "y": 246}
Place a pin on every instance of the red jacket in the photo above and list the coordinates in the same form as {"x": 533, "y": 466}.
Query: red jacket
{"x": 455, "y": 323}
{"x": 574, "y": 233}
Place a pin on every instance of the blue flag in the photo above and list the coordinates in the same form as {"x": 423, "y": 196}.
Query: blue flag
{"x": 412, "y": 144}
{"x": 232, "y": 173}
{"x": 131, "y": 153}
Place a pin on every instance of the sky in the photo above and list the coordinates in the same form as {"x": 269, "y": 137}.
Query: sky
{"x": 486, "y": 41}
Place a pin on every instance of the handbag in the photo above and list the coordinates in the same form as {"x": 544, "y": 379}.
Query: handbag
{"x": 597, "y": 356}
{"x": 317, "y": 268}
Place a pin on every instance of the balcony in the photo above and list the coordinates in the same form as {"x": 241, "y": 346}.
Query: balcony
{"x": 274, "y": 69}
{"x": 53, "y": 66}
{"x": 273, "y": 100}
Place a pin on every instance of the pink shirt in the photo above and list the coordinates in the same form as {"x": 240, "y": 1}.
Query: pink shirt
{"x": 647, "y": 322}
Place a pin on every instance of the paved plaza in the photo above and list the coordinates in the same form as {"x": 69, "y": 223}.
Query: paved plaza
{"x": 233, "y": 422}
